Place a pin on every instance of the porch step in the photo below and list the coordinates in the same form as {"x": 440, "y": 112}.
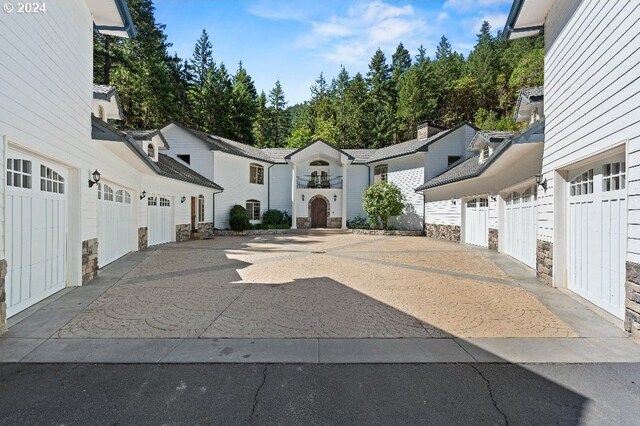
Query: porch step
{"x": 199, "y": 235}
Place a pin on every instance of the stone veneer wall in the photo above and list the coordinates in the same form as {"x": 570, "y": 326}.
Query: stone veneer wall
{"x": 443, "y": 232}
{"x": 399, "y": 232}
{"x": 334, "y": 222}
{"x": 544, "y": 261}
{"x": 632, "y": 300}
{"x": 183, "y": 232}
{"x": 205, "y": 228}
{"x": 305, "y": 222}
{"x": 493, "y": 239}
{"x": 89, "y": 260}
{"x": 143, "y": 238}
{"x": 3, "y": 296}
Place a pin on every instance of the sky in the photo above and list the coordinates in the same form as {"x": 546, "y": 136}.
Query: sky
{"x": 295, "y": 41}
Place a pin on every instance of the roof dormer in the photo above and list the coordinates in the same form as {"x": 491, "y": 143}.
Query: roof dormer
{"x": 150, "y": 141}
{"x": 106, "y": 103}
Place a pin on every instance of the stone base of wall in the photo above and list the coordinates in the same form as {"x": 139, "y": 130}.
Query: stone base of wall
{"x": 443, "y": 232}
{"x": 632, "y": 300}
{"x": 400, "y": 233}
{"x": 89, "y": 260}
{"x": 205, "y": 228}
{"x": 3, "y": 296}
{"x": 305, "y": 222}
{"x": 183, "y": 232}
{"x": 544, "y": 262}
{"x": 493, "y": 239}
{"x": 230, "y": 233}
{"x": 143, "y": 238}
{"x": 334, "y": 222}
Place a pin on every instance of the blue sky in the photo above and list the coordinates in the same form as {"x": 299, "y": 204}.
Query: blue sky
{"x": 296, "y": 40}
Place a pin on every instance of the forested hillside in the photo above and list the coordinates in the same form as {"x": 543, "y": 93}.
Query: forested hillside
{"x": 378, "y": 109}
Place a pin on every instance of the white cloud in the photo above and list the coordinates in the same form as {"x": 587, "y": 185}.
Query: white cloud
{"x": 467, "y": 5}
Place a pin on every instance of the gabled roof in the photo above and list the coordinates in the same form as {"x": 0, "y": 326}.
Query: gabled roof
{"x": 172, "y": 168}
{"x": 527, "y": 96}
{"x": 104, "y": 92}
{"x": 471, "y": 167}
{"x": 490, "y": 136}
{"x": 350, "y": 157}
{"x": 147, "y": 135}
{"x": 412, "y": 146}
{"x": 278, "y": 155}
{"x": 360, "y": 156}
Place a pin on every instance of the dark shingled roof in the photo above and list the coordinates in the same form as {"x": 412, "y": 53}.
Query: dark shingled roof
{"x": 466, "y": 169}
{"x": 360, "y": 156}
{"x": 172, "y": 168}
{"x": 103, "y": 90}
{"x": 531, "y": 94}
{"x": 147, "y": 135}
{"x": 277, "y": 155}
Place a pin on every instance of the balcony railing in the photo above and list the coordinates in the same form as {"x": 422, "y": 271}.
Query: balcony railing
{"x": 324, "y": 182}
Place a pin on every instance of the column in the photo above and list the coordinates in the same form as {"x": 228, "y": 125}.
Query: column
{"x": 344, "y": 195}
{"x": 294, "y": 169}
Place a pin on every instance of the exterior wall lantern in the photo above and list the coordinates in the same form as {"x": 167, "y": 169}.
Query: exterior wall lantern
{"x": 302, "y": 197}
{"x": 183, "y": 199}
{"x": 494, "y": 198}
{"x": 95, "y": 178}
{"x": 335, "y": 197}
{"x": 143, "y": 195}
{"x": 453, "y": 202}
{"x": 540, "y": 182}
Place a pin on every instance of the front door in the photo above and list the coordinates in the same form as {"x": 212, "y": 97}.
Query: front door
{"x": 318, "y": 213}
{"x": 193, "y": 213}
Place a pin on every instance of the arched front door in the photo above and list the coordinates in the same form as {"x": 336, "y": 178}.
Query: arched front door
{"x": 318, "y": 213}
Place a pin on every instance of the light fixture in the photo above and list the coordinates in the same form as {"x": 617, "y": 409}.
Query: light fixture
{"x": 143, "y": 194}
{"x": 494, "y": 198}
{"x": 302, "y": 197}
{"x": 335, "y": 197}
{"x": 95, "y": 178}
{"x": 540, "y": 182}
{"x": 183, "y": 199}
{"x": 453, "y": 202}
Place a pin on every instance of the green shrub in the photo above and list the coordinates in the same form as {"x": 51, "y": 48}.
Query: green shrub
{"x": 358, "y": 222}
{"x": 263, "y": 226}
{"x": 276, "y": 217}
{"x": 239, "y": 219}
{"x": 382, "y": 201}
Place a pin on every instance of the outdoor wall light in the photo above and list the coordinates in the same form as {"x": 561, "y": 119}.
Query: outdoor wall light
{"x": 95, "y": 178}
{"x": 143, "y": 194}
{"x": 335, "y": 197}
{"x": 494, "y": 198}
{"x": 183, "y": 199}
{"x": 453, "y": 202}
{"x": 302, "y": 197}
{"x": 540, "y": 182}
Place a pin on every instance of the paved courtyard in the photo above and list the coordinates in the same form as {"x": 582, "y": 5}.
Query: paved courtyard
{"x": 315, "y": 286}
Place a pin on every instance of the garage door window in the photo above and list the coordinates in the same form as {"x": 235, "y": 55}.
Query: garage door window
{"x": 19, "y": 173}
{"x": 164, "y": 202}
{"x": 119, "y": 196}
{"x": 153, "y": 201}
{"x": 582, "y": 184}
{"x": 127, "y": 197}
{"x": 51, "y": 181}
{"x": 108, "y": 193}
{"x": 613, "y": 176}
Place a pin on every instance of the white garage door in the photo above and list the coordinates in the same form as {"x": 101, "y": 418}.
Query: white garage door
{"x": 597, "y": 237}
{"x": 476, "y": 223}
{"x": 36, "y": 241}
{"x": 520, "y": 225}
{"x": 159, "y": 220}
{"x": 115, "y": 227}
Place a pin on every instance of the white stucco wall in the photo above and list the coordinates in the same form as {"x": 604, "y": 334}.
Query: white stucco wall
{"x": 281, "y": 187}
{"x": 357, "y": 182}
{"x": 335, "y": 207}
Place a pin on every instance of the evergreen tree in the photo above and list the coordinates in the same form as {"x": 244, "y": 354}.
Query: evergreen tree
{"x": 401, "y": 62}
{"x": 244, "y": 106}
{"x": 380, "y": 92}
{"x": 202, "y": 83}
{"x": 278, "y": 117}
{"x": 261, "y": 122}
{"x": 483, "y": 66}
{"x": 358, "y": 107}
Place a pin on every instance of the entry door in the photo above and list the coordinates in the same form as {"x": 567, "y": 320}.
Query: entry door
{"x": 36, "y": 240}
{"x": 194, "y": 203}
{"x": 597, "y": 234}
{"x": 115, "y": 227}
{"x": 476, "y": 224}
{"x": 159, "y": 220}
{"x": 520, "y": 225}
{"x": 319, "y": 213}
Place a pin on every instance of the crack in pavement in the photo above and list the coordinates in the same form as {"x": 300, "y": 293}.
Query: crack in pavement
{"x": 255, "y": 397}
{"x": 491, "y": 396}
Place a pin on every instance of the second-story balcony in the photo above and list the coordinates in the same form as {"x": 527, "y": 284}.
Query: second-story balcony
{"x": 320, "y": 182}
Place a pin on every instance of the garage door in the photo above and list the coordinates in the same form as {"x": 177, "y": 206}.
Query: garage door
{"x": 159, "y": 220}
{"x": 115, "y": 227}
{"x": 520, "y": 225}
{"x": 597, "y": 227}
{"x": 36, "y": 241}
{"x": 476, "y": 224}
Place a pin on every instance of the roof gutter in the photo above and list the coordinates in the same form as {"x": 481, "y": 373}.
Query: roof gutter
{"x": 129, "y": 27}
{"x": 516, "y": 7}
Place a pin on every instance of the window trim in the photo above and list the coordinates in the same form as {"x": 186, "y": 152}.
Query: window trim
{"x": 25, "y": 177}
{"x": 200, "y": 209}
{"x": 251, "y": 206}
{"x": 381, "y": 176}
{"x": 259, "y": 174}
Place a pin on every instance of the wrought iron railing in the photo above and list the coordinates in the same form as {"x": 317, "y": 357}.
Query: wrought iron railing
{"x": 322, "y": 182}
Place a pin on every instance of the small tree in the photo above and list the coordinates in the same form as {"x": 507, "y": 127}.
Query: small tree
{"x": 239, "y": 218}
{"x": 382, "y": 201}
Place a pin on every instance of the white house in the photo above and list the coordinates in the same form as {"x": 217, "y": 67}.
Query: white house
{"x": 77, "y": 194}
{"x": 318, "y": 185}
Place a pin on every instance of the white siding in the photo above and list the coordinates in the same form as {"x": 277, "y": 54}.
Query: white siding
{"x": 454, "y": 144}
{"x": 232, "y": 173}
{"x": 493, "y": 212}
{"x": 280, "y": 182}
{"x": 592, "y": 95}
{"x": 357, "y": 182}
{"x": 444, "y": 212}
{"x": 182, "y": 142}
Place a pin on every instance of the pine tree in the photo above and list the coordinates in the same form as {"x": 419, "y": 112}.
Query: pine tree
{"x": 401, "y": 62}
{"x": 202, "y": 83}
{"x": 380, "y": 91}
{"x": 243, "y": 106}
{"x": 278, "y": 117}
{"x": 261, "y": 123}
{"x": 358, "y": 107}
{"x": 483, "y": 66}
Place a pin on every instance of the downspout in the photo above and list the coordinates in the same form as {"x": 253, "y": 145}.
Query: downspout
{"x": 424, "y": 215}
{"x": 269, "y": 187}
{"x": 369, "y": 175}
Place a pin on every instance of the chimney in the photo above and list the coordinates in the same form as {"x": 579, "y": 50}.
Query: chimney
{"x": 425, "y": 131}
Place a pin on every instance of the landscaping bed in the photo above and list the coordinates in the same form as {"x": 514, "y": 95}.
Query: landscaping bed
{"x": 398, "y": 232}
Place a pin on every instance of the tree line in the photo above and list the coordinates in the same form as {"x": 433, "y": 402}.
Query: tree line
{"x": 380, "y": 108}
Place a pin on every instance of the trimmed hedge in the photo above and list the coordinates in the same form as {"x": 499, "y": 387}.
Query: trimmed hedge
{"x": 239, "y": 218}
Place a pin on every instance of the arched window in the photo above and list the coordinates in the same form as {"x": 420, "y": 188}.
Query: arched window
{"x": 127, "y": 197}
{"x": 108, "y": 193}
{"x": 253, "y": 209}
{"x": 256, "y": 174}
{"x": 319, "y": 163}
{"x": 101, "y": 114}
{"x": 151, "y": 150}
{"x": 50, "y": 180}
{"x": 119, "y": 196}
{"x": 201, "y": 208}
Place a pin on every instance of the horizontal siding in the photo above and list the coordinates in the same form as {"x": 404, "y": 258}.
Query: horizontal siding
{"x": 408, "y": 174}
{"x": 182, "y": 142}
{"x": 280, "y": 181}
{"x": 357, "y": 183}
{"x": 444, "y": 212}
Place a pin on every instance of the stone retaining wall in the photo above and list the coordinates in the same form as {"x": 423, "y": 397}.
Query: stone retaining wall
{"x": 305, "y": 222}
{"x": 230, "y": 233}
{"x": 632, "y": 300}
{"x": 401, "y": 232}
{"x": 205, "y": 228}
{"x": 89, "y": 260}
{"x": 143, "y": 238}
{"x": 443, "y": 232}
{"x": 334, "y": 222}
{"x": 183, "y": 232}
{"x": 544, "y": 261}
{"x": 3, "y": 296}
{"x": 493, "y": 239}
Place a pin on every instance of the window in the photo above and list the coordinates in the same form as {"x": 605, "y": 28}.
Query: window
{"x": 452, "y": 159}
{"x": 472, "y": 203}
{"x": 380, "y": 173}
{"x": 201, "y": 208}
{"x": 319, "y": 163}
{"x": 185, "y": 157}
{"x": 99, "y": 191}
{"x": 526, "y": 195}
{"x": 164, "y": 202}
{"x": 50, "y": 181}
{"x": 582, "y": 184}
{"x": 256, "y": 174}
{"x": 108, "y": 193}
{"x": 101, "y": 114}
{"x": 127, "y": 197}
{"x": 151, "y": 150}
{"x": 484, "y": 202}
{"x": 119, "y": 196}
{"x": 253, "y": 209}
{"x": 19, "y": 173}
{"x": 613, "y": 176}
{"x": 152, "y": 201}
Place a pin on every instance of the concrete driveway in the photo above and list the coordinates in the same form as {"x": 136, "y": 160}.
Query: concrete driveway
{"x": 316, "y": 286}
